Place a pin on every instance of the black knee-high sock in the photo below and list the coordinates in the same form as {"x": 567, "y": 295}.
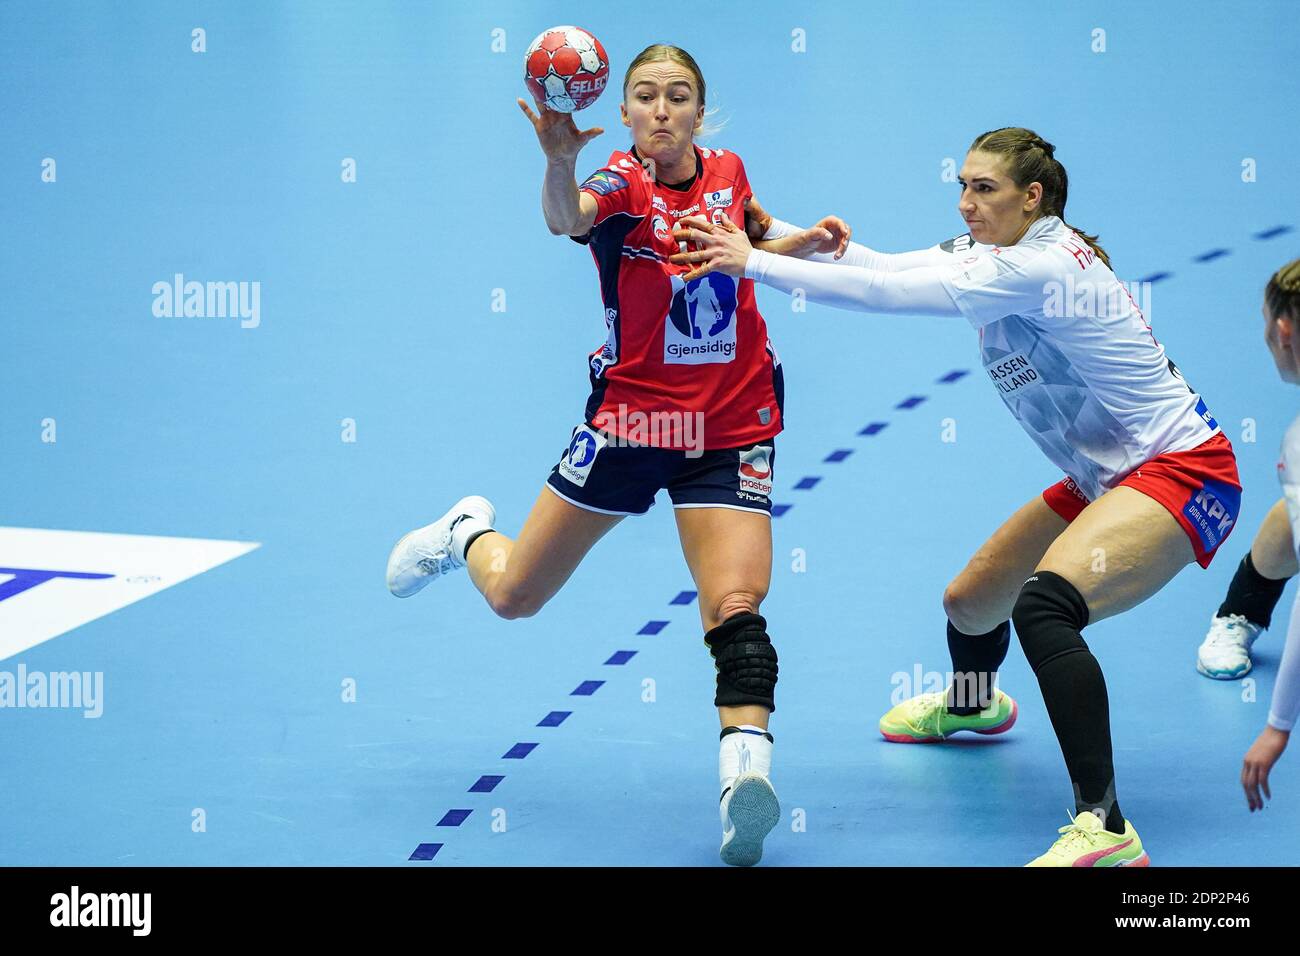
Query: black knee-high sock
{"x": 975, "y": 662}
{"x": 1049, "y": 616}
{"x": 1251, "y": 594}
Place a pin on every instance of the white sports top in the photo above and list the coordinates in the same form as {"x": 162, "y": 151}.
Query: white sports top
{"x": 1062, "y": 340}
{"x": 1284, "y": 710}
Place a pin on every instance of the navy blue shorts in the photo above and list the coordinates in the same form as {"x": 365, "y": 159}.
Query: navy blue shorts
{"x": 598, "y": 474}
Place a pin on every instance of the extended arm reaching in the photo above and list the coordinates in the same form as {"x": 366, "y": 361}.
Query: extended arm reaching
{"x": 918, "y": 291}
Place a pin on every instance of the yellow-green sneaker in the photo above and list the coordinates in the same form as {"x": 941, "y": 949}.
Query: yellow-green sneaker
{"x": 925, "y": 719}
{"x": 1086, "y": 842}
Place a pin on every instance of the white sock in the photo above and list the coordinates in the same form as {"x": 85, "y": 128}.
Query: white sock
{"x": 465, "y": 529}
{"x": 749, "y": 751}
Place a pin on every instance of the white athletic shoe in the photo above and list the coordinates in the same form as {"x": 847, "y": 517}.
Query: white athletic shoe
{"x": 1225, "y": 652}
{"x": 439, "y": 548}
{"x": 749, "y": 812}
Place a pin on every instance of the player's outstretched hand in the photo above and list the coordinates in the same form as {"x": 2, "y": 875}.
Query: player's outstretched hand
{"x": 1261, "y": 756}
{"x": 557, "y": 133}
{"x": 720, "y": 247}
{"x": 831, "y": 234}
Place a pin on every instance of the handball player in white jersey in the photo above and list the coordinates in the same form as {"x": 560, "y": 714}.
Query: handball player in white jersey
{"x": 1282, "y": 333}
{"x": 1260, "y": 578}
{"x": 1150, "y": 480}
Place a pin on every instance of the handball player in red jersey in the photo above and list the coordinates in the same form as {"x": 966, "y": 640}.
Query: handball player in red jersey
{"x": 686, "y": 395}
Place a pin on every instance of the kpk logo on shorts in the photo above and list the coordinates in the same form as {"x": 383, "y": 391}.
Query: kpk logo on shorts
{"x": 756, "y": 470}
{"x": 583, "y": 449}
{"x": 1212, "y": 512}
{"x": 700, "y": 328}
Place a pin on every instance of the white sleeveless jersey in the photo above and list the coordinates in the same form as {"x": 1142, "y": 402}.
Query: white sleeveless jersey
{"x": 1071, "y": 354}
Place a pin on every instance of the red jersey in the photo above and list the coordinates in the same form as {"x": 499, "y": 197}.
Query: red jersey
{"x": 676, "y": 348}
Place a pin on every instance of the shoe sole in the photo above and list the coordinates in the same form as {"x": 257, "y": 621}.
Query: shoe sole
{"x": 754, "y": 811}
{"x": 477, "y": 501}
{"x": 1142, "y": 860}
{"x": 1001, "y": 728}
{"x": 1223, "y": 675}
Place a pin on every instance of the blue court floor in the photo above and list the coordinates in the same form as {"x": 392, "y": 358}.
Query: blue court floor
{"x": 418, "y": 335}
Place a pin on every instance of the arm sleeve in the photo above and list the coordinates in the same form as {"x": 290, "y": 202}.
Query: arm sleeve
{"x": 912, "y": 292}
{"x": 1285, "y": 708}
{"x": 864, "y": 258}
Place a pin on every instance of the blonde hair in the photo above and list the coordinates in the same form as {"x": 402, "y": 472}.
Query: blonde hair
{"x": 1032, "y": 159}
{"x": 1282, "y": 294}
{"x": 665, "y": 52}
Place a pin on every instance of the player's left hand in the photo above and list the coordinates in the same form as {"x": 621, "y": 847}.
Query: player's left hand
{"x": 1259, "y": 760}
{"x": 720, "y": 247}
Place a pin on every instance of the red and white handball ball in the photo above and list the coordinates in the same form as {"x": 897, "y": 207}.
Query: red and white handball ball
{"x": 566, "y": 69}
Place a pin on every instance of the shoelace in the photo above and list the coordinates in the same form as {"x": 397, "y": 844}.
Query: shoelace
{"x": 1226, "y": 631}
{"x": 442, "y": 553}
{"x": 926, "y": 711}
{"x": 1072, "y": 835}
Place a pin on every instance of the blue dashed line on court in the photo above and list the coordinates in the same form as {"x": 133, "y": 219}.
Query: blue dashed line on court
{"x": 486, "y": 783}
{"x": 426, "y": 851}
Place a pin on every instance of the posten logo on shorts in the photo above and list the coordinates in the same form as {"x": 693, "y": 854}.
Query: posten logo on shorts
{"x": 583, "y": 449}
{"x": 756, "y": 469}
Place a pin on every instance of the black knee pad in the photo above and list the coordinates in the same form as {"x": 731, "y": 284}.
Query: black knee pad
{"x": 1049, "y": 614}
{"x": 746, "y": 662}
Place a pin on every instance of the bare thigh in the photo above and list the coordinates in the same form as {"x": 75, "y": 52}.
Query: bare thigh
{"x": 1121, "y": 550}
{"x": 982, "y": 595}
{"x": 1273, "y": 552}
{"x": 517, "y": 577}
{"x": 729, "y": 553}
